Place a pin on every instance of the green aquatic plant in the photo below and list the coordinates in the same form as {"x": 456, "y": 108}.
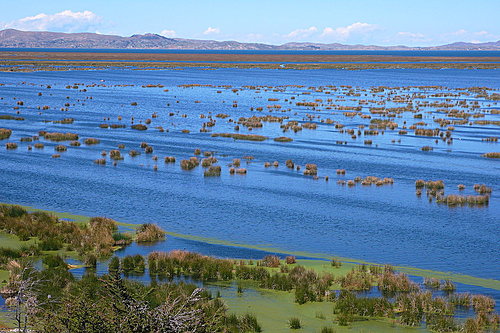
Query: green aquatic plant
{"x": 294, "y": 323}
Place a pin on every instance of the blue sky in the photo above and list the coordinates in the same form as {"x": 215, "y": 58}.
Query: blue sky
{"x": 381, "y": 22}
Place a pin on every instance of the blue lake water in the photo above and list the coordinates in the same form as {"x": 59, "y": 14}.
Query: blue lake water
{"x": 271, "y": 207}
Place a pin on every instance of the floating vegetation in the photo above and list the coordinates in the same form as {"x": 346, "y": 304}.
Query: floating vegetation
{"x": 38, "y": 145}
{"x": 236, "y": 136}
{"x": 75, "y": 143}
{"x": 100, "y": 161}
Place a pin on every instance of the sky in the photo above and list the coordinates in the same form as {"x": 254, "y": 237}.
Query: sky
{"x": 377, "y": 22}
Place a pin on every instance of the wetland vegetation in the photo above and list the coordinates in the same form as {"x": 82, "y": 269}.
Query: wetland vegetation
{"x": 249, "y": 151}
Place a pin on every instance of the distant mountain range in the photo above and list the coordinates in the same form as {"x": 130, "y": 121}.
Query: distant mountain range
{"x": 44, "y": 39}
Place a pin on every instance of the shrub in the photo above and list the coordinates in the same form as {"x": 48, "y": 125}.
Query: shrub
{"x": 53, "y": 261}
{"x": 114, "y": 265}
{"x": 51, "y": 244}
{"x": 290, "y": 260}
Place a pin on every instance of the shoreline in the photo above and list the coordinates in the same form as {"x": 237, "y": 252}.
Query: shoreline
{"x": 414, "y": 271}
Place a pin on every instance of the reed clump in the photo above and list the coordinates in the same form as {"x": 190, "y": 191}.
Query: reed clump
{"x": 91, "y": 141}
{"x": 491, "y": 155}
{"x": 115, "y": 154}
{"x": 139, "y": 127}
{"x": 482, "y": 189}
{"x": 311, "y": 169}
{"x": 464, "y": 200}
{"x": 190, "y": 164}
{"x": 213, "y": 171}
{"x": 60, "y": 148}
{"x": 236, "y": 136}
{"x": 271, "y": 260}
{"x": 56, "y": 136}
{"x": 169, "y": 159}
{"x": 11, "y": 145}
{"x": 5, "y": 133}
{"x": 283, "y": 139}
{"x": 149, "y": 232}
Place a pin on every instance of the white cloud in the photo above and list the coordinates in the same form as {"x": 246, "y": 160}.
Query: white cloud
{"x": 211, "y": 31}
{"x": 168, "y": 33}
{"x": 302, "y": 33}
{"x": 344, "y": 33}
{"x": 412, "y": 35}
{"x": 66, "y": 21}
